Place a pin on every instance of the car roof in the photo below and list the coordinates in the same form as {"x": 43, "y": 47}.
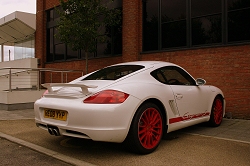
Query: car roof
{"x": 147, "y": 63}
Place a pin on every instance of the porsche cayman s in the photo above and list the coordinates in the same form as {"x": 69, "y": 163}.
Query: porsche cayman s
{"x": 133, "y": 102}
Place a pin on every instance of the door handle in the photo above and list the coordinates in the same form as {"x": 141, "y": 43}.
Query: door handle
{"x": 178, "y": 96}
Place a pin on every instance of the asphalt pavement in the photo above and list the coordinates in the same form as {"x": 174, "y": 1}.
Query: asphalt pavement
{"x": 18, "y": 155}
{"x": 22, "y": 143}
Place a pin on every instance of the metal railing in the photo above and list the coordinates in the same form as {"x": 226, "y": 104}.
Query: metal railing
{"x": 27, "y": 77}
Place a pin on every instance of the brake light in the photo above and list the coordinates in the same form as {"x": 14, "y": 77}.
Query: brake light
{"x": 107, "y": 97}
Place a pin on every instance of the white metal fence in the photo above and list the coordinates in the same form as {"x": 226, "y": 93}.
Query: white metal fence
{"x": 30, "y": 78}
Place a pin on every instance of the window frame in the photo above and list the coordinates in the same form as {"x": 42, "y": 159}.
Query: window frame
{"x": 51, "y": 23}
{"x": 224, "y": 29}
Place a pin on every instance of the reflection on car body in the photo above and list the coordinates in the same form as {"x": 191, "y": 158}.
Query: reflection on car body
{"x": 133, "y": 102}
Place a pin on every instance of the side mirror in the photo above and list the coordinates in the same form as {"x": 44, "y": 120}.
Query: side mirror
{"x": 200, "y": 82}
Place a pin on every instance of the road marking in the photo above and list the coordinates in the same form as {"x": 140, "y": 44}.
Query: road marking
{"x": 227, "y": 139}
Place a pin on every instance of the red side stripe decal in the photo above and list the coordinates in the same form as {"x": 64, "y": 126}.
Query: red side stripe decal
{"x": 174, "y": 120}
{"x": 187, "y": 117}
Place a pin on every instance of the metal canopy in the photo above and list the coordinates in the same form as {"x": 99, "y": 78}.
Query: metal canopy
{"x": 17, "y": 27}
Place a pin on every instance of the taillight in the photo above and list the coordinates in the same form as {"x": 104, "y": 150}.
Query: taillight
{"x": 107, "y": 97}
{"x": 45, "y": 93}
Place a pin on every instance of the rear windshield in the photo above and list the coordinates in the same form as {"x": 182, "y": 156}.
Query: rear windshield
{"x": 113, "y": 72}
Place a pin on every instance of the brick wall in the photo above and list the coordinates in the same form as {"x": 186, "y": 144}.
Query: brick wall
{"x": 40, "y": 33}
{"x": 225, "y": 67}
{"x": 130, "y": 30}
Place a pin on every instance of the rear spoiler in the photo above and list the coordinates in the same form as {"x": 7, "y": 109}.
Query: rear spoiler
{"x": 82, "y": 86}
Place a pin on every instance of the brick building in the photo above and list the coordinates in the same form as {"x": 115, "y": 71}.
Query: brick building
{"x": 209, "y": 38}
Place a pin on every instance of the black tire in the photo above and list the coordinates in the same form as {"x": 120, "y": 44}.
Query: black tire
{"x": 146, "y": 129}
{"x": 216, "y": 115}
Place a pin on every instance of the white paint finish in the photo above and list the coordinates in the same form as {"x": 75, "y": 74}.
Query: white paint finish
{"x": 95, "y": 120}
{"x": 191, "y": 99}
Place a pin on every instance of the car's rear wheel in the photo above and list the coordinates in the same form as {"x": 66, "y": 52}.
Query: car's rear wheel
{"x": 146, "y": 129}
{"x": 216, "y": 112}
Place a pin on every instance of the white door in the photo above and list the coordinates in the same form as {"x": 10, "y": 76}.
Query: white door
{"x": 190, "y": 99}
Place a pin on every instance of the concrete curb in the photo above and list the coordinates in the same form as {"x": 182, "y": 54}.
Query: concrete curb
{"x": 45, "y": 151}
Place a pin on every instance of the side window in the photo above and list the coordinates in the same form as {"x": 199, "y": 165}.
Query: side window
{"x": 173, "y": 75}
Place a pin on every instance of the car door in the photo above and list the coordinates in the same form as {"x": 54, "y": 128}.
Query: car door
{"x": 190, "y": 98}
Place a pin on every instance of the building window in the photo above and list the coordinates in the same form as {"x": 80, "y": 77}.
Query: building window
{"x": 150, "y": 25}
{"x": 59, "y": 51}
{"x": 206, "y": 18}
{"x": 238, "y": 20}
{"x": 173, "y": 23}
{"x": 169, "y": 24}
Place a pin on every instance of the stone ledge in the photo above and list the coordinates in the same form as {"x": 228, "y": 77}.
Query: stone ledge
{"x": 18, "y": 106}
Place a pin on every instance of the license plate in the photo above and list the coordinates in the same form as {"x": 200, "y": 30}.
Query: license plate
{"x": 55, "y": 114}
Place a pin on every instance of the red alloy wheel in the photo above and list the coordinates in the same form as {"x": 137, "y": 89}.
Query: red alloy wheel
{"x": 150, "y": 128}
{"x": 218, "y": 111}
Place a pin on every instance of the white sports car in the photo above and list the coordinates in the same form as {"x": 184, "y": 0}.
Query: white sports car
{"x": 135, "y": 102}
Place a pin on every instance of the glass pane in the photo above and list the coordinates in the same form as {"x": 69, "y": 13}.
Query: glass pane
{"x": 50, "y": 15}
{"x": 59, "y": 52}
{"x": 173, "y": 23}
{"x": 51, "y": 37}
{"x": 104, "y": 48}
{"x": 238, "y": 4}
{"x": 113, "y": 72}
{"x": 174, "y": 77}
{"x": 173, "y": 10}
{"x": 205, "y": 7}
{"x": 150, "y": 24}
{"x": 71, "y": 54}
{"x": 117, "y": 40}
{"x": 56, "y": 39}
{"x": 206, "y": 30}
{"x": 113, "y": 43}
{"x": 56, "y": 12}
{"x": 24, "y": 49}
{"x": 50, "y": 45}
{"x": 174, "y": 34}
{"x": 238, "y": 25}
{"x": 113, "y": 4}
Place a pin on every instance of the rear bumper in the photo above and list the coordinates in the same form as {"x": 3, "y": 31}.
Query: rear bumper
{"x": 99, "y": 122}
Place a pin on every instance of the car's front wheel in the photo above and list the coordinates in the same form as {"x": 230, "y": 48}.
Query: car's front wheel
{"x": 146, "y": 129}
{"x": 216, "y": 112}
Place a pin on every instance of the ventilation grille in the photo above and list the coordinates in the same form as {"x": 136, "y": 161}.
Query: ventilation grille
{"x": 173, "y": 107}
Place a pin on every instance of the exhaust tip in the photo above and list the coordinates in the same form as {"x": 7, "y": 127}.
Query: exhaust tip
{"x": 51, "y": 131}
{"x": 56, "y": 132}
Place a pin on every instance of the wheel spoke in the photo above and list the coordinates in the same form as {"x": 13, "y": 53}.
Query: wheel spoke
{"x": 150, "y": 128}
{"x": 142, "y": 130}
{"x": 157, "y": 132}
{"x": 156, "y": 121}
{"x": 218, "y": 111}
